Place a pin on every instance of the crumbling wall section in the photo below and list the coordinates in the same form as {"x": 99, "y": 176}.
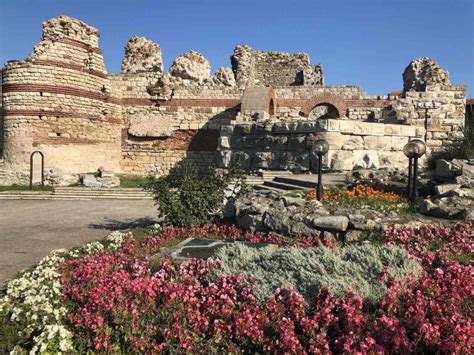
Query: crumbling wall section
{"x": 256, "y": 68}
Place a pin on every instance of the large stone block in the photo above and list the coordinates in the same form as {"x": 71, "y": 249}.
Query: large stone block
{"x": 331, "y": 223}
{"x": 366, "y": 159}
{"x": 342, "y": 160}
{"x": 353, "y": 143}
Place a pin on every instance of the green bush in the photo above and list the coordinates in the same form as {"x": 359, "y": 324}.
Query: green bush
{"x": 188, "y": 196}
{"x": 357, "y": 268}
{"x": 460, "y": 148}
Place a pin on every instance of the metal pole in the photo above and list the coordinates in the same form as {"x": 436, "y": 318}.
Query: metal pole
{"x": 410, "y": 167}
{"x": 319, "y": 192}
{"x": 415, "y": 178}
{"x": 42, "y": 171}
{"x": 31, "y": 170}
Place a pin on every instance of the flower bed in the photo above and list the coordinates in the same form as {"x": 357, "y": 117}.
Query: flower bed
{"x": 364, "y": 196}
{"x": 109, "y": 297}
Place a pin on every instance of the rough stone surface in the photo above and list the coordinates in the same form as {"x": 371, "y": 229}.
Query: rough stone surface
{"x": 422, "y": 72}
{"x": 191, "y": 66}
{"x": 253, "y": 67}
{"x": 454, "y": 191}
{"x": 267, "y": 211}
{"x": 141, "y": 55}
{"x": 446, "y": 169}
{"x": 223, "y": 76}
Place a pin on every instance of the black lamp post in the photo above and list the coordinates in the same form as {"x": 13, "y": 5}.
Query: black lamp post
{"x": 414, "y": 149}
{"x": 320, "y": 147}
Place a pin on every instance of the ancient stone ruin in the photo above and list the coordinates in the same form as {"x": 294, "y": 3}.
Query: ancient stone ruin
{"x": 266, "y": 110}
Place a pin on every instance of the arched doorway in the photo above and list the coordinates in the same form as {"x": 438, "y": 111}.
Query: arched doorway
{"x": 271, "y": 108}
{"x": 323, "y": 111}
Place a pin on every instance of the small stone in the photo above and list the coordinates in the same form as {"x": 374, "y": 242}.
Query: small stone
{"x": 445, "y": 189}
{"x": 352, "y": 236}
{"x": 357, "y": 221}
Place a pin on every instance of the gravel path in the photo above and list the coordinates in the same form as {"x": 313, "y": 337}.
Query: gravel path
{"x": 29, "y": 230}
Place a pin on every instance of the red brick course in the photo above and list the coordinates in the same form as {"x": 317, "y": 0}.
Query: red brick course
{"x": 325, "y": 98}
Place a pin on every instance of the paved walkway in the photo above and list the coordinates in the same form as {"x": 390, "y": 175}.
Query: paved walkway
{"x": 29, "y": 230}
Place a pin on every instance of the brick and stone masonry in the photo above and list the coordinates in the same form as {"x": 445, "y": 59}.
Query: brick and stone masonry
{"x": 265, "y": 110}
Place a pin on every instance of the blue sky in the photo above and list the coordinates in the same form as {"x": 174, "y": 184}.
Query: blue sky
{"x": 363, "y": 42}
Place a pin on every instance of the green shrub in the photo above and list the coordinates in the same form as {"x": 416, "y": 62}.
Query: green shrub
{"x": 357, "y": 268}
{"x": 460, "y": 148}
{"x": 188, "y": 196}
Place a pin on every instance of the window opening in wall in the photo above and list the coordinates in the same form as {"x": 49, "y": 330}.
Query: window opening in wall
{"x": 41, "y": 93}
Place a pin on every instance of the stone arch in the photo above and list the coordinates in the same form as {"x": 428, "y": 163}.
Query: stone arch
{"x": 324, "y": 99}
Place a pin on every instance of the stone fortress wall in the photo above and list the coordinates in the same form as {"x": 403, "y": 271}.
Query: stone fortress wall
{"x": 267, "y": 110}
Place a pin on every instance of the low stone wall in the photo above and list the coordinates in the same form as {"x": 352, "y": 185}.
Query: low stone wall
{"x": 288, "y": 145}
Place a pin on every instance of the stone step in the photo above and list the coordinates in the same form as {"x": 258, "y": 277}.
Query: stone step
{"x": 26, "y": 192}
{"x": 94, "y": 189}
{"x": 102, "y": 193}
{"x": 269, "y": 188}
{"x": 297, "y": 182}
{"x": 311, "y": 181}
{"x": 71, "y": 197}
{"x": 282, "y": 186}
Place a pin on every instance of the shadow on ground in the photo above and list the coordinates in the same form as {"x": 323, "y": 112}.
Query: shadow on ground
{"x": 113, "y": 224}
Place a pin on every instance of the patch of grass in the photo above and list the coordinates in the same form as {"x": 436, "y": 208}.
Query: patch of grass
{"x": 15, "y": 187}
{"x": 133, "y": 181}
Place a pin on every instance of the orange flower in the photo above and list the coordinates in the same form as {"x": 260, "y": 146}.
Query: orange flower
{"x": 357, "y": 192}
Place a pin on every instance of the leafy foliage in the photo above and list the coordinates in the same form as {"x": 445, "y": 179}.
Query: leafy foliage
{"x": 188, "y": 196}
{"x": 359, "y": 269}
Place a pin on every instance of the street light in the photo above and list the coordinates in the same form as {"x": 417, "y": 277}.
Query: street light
{"x": 414, "y": 149}
{"x": 320, "y": 147}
